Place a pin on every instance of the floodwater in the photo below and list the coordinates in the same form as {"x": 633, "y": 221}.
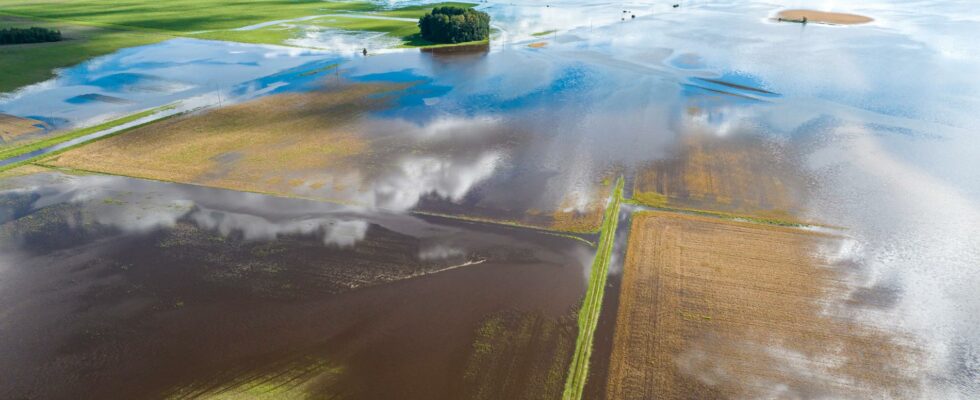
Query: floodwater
{"x": 876, "y": 124}
{"x": 122, "y": 288}
{"x": 198, "y": 72}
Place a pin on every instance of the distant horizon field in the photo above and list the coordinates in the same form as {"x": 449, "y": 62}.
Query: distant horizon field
{"x": 97, "y": 27}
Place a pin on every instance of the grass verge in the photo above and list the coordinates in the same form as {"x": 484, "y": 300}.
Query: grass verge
{"x": 727, "y": 216}
{"x": 77, "y": 133}
{"x": 588, "y": 317}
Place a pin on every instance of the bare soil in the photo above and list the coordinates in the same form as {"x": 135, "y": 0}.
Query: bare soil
{"x": 823, "y": 17}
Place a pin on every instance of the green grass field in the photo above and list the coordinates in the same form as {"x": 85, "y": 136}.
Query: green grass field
{"x": 588, "y": 317}
{"x": 97, "y": 27}
{"x": 29, "y": 63}
{"x": 176, "y": 16}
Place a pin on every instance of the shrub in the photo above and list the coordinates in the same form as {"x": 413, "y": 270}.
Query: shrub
{"x": 28, "y": 35}
{"x": 451, "y": 24}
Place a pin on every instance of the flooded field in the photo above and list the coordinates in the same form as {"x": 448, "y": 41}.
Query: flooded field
{"x": 239, "y": 293}
{"x": 306, "y": 221}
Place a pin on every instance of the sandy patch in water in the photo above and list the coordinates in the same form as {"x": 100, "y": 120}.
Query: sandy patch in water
{"x": 823, "y": 17}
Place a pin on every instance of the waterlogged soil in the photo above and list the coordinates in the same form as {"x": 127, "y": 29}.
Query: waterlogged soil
{"x": 746, "y": 175}
{"x": 715, "y": 309}
{"x": 14, "y": 129}
{"x": 325, "y": 144}
{"x": 122, "y": 288}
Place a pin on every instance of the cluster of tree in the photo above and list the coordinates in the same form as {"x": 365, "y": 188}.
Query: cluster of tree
{"x": 451, "y": 24}
{"x": 28, "y": 35}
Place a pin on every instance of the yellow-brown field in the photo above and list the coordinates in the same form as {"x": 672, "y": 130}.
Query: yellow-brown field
{"x": 13, "y": 128}
{"x": 739, "y": 175}
{"x": 267, "y": 145}
{"x": 717, "y": 309}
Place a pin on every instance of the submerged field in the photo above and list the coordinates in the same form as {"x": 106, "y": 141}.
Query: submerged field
{"x": 743, "y": 175}
{"x": 715, "y": 309}
{"x": 323, "y": 144}
{"x": 240, "y": 295}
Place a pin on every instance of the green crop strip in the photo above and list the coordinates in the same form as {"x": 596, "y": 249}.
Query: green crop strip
{"x": 588, "y": 317}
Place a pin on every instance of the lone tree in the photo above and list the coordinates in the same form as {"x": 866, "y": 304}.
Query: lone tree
{"x": 451, "y": 24}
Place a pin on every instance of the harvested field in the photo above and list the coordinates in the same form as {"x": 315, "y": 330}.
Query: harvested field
{"x": 823, "y": 17}
{"x": 737, "y": 174}
{"x": 713, "y": 309}
{"x": 14, "y": 128}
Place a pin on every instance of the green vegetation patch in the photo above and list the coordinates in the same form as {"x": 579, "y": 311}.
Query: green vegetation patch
{"x": 588, "y": 318}
{"x": 544, "y": 33}
{"x": 451, "y": 24}
{"x": 417, "y": 11}
{"x": 177, "y": 16}
{"x": 34, "y": 34}
{"x": 396, "y": 28}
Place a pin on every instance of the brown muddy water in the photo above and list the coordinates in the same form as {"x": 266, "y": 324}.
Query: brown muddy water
{"x": 122, "y": 288}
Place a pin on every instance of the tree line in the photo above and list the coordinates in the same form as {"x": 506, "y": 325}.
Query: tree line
{"x": 28, "y": 35}
{"x": 451, "y": 24}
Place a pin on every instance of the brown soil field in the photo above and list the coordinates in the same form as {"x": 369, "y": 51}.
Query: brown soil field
{"x": 738, "y": 174}
{"x": 537, "y": 45}
{"x": 13, "y": 128}
{"x": 711, "y": 309}
{"x": 823, "y": 17}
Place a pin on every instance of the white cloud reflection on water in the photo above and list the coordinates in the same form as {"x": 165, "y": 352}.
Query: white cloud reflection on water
{"x": 916, "y": 232}
{"x": 125, "y": 205}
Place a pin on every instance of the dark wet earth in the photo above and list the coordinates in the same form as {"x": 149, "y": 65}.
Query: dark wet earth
{"x": 163, "y": 290}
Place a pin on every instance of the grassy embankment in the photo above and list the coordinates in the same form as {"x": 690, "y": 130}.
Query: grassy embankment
{"x": 588, "y": 317}
{"x": 47, "y": 142}
{"x": 97, "y": 27}
{"x": 23, "y": 148}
